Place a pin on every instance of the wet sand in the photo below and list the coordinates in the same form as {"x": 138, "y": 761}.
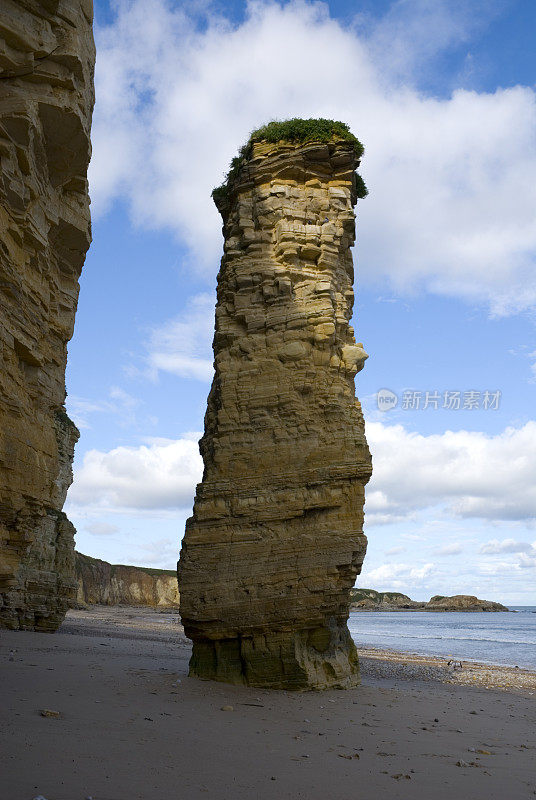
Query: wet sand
{"x": 133, "y": 726}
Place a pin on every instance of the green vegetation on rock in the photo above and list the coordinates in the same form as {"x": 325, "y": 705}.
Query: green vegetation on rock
{"x": 306, "y": 130}
{"x": 377, "y": 597}
{"x": 114, "y": 567}
{"x": 371, "y": 600}
{"x": 296, "y": 131}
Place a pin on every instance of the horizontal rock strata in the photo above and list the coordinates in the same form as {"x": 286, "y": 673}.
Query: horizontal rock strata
{"x": 275, "y": 541}
{"x": 122, "y": 585}
{"x": 46, "y": 98}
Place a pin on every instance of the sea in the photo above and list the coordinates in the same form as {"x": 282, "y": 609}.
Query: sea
{"x": 497, "y": 637}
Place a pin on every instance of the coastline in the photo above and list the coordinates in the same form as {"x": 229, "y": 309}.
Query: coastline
{"x": 464, "y": 672}
{"x": 497, "y": 639}
{"x": 403, "y": 609}
{"x": 132, "y": 726}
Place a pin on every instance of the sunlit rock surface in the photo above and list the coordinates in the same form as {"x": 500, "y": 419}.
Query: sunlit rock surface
{"x": 47, "y": 58}
{"x": 123, "y": 585}
{"x": 275, "y": 541}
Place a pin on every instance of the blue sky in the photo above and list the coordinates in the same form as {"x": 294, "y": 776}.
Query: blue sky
{"x": 442, "y": 95}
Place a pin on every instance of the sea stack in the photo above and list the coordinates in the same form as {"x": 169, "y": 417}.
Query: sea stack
{"x": 47, "y": 60}
{"x": 275, "y": 541}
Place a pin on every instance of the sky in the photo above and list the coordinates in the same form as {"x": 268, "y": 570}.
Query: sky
{"x": 442, "y": 95}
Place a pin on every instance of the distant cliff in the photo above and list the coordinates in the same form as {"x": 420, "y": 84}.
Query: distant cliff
{"x": 117, "y": 584}
{"x": 370, "y": 600}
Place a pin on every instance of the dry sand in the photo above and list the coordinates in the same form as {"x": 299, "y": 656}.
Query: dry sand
{"x": 133, "y": 726}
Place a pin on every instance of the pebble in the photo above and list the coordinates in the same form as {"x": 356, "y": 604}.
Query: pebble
{"x": 47, "y": 712}
{"x": 410, "y": 667}
{"x": 227, "y": 708}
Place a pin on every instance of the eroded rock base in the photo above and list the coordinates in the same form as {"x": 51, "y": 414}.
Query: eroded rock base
{"x": 321, "y": 658}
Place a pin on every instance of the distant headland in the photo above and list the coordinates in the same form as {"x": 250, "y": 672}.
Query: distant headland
{"x": 370, "y": 600}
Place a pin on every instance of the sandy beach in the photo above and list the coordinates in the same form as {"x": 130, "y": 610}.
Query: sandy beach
{"x": 128, "y": 724}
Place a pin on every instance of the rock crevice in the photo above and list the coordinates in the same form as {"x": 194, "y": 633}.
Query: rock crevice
{"x": 275, "y": 541}
{"x": 47, "y": 59}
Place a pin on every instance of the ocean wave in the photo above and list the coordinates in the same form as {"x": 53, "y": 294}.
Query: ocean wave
{"x": 429, "y": 637}
{"x": 510, "y": 640}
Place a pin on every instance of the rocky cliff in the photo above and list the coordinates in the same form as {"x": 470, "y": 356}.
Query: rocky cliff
{"x": 275, "y": 541}
{"x": 462, "y": 602}
{"x": 118, "y": 585}
{"x": 46, "y": 99}
{"x": 370, "y": 600}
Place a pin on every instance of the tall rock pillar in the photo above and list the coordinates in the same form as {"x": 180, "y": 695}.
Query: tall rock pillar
{"x": 275, "y": 541}
{"x": 47, "y": 59}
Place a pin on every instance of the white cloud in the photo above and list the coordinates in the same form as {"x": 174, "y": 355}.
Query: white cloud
{"x": 120, "y": 403}
{"x": 527, "y": 560}
{"x": 394, "y": 551}
{"x": 158, "y": 552}
{"x": 458, "y": 474}
{"x": 453, "y": 180}
{"x": 413, "y": 32}
{"x": 525, "y": 557}
{"x": 155, "y": 476}
{"x": 182, "y": 345}
{"x": 403, "y": 577}
{"x": 510, "y": 569}
{"x": 453, "y": 549}
{"x": 465, "y": 473}
{"x": 494, "y": 547}
{"x": 101, "y": 528}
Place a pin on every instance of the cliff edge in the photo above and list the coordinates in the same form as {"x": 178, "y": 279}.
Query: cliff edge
{"x": 122, "y": 585}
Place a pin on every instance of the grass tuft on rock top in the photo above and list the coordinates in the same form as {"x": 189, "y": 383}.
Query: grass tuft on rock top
{"x": 297, "y": 131}
{"x": 306, "y": 130}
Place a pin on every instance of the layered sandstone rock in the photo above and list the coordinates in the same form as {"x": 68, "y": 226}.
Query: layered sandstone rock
{"x": 46, "y": 98}
{"x": 275, "y": 541}
{"x": 122, "y": 585}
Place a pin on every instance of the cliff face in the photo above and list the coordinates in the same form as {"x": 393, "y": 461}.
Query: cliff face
{"x": 117, "y": 584}
{"x": 46, "y": 99}
{"x": 275, "y": 541}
